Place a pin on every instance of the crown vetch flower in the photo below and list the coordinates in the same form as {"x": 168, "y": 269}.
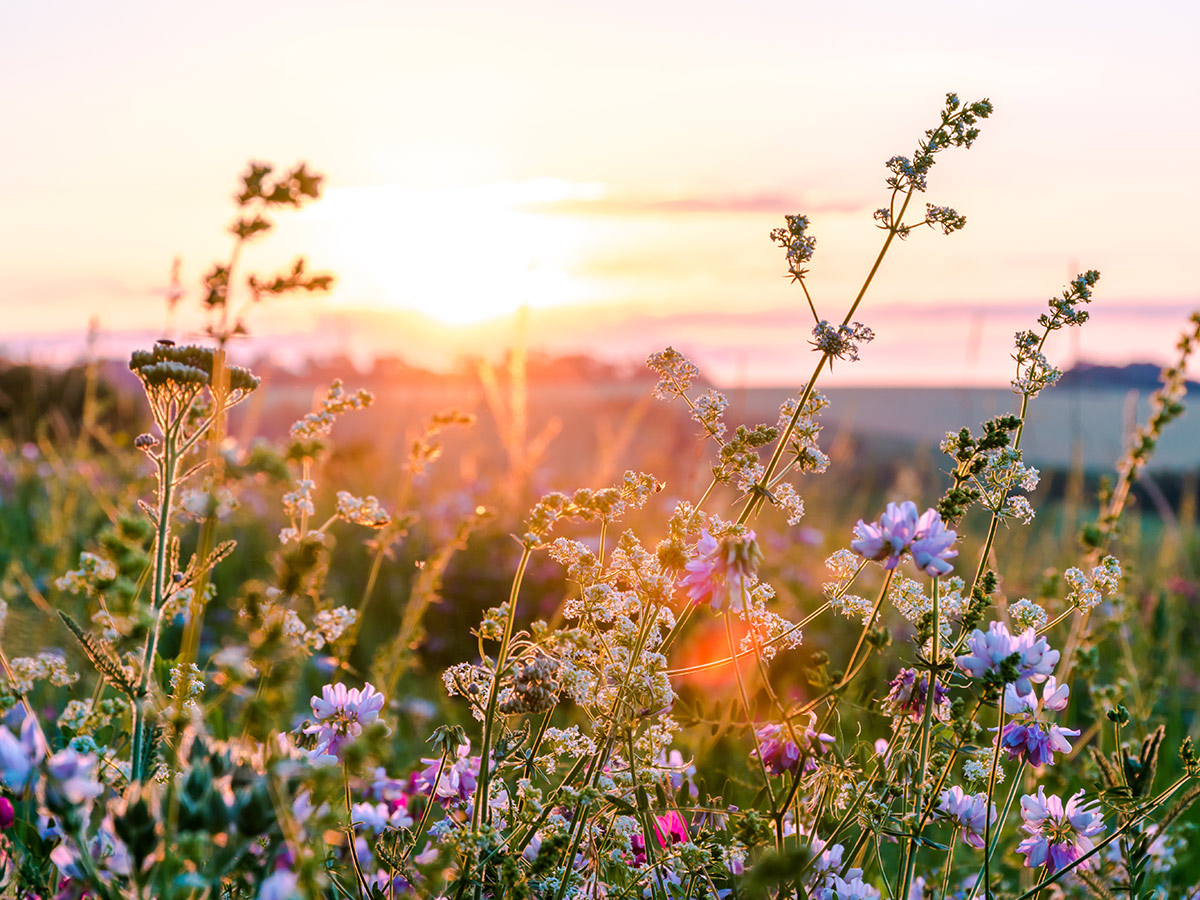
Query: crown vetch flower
{"x": 782, "y": 754}
{"x": 1057, "y": 836}
{"x": 1026, "y": 734}
{"x": 933, "y": 545}
{"x": 19, "y": 757}
{"x": 458, "y": 778}
{"x": 899, "y": 530}
{"x": 1019, "y": 660}
{"x": 969, "y": 811}
{"x": 341, "y": 714}
{"x": 906, "y": 696}
{"x": 722, "y": 572}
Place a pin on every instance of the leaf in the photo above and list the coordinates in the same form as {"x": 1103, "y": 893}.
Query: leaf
{"x": 103, "y": 660}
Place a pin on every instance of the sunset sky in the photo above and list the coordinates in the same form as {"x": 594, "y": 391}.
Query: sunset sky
{"x": 616, "y": 166}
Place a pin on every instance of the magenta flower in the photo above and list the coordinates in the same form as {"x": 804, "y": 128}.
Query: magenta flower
{"x": 1057, "y": 836}
{"x": 906, "y": 696}
{"x": 721, "y": 572}
{"x": 780, "y": 753}
{"x": 1033, "y": 658}
{"x": 668, "y": 829}
{"x": 900, "y": 530}
{"x": 341, "y": 714}
{"x": 970, "y": 812}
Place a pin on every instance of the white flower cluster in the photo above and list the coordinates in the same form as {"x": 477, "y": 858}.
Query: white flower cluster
{"x": 1085, "y": 593}
{"x": 1026, "y": 614}
{"x": 361, "y": 511}
{"x": 1004, "y": 473}
{"x": 675, "y": 373}
{"x": 300, "y": 501}
{"x": 844, "y": 565}
{"x": 708, "y": 409}
{"x": 336, "y": 403}
{"x": 28, "y": 670}
{"x": 92, "y": 569}
{"x": 328, "y": 626}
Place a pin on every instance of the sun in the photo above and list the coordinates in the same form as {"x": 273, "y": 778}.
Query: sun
{"x": 458, "y": 254}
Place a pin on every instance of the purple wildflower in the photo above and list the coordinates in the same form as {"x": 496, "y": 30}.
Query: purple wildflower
{"x": 1034, "y": 658}
{"x": 19, "y": 757}
{"x": 70, "y": 784}
{"x": 899, "y": 530}
{"x": 722, "y": 572}
{"x": 969, "y": 812}
{"x": 341, "y": 714}
{"x": 933, "y": 545}
{"x": 780, "y": 753}
{"x": 457, "y": 781}
{"x": 890, "y": 536}
{"x": 1026, "y": 734}
{"x": 906, "y": 696}
{"x": 1057, "y": 836}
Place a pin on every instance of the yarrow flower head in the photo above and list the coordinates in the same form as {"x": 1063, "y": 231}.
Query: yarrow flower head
{"x": 1058, "y": 836}
{"x": 900, "y": 529}
{"x": 722, "y": 571}
{"x": 999, "y": 658}
{"x": 841, "y": 342}
{"x": 341, "y": 714}
{"x": 970, "y": 812}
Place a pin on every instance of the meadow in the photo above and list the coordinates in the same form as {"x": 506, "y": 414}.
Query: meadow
{"x": 550, "y": 632}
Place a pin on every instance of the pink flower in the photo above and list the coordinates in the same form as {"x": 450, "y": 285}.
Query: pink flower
{"x": 969, "y": 811}
{"x": 722, "y": 572}
{"x": 341, "y": 715}
{"x": 1057, "y": 836}
{"x": 668, "y": 829}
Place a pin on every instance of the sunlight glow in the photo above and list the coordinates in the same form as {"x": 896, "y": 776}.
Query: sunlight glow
{"x": 458, "y": 254}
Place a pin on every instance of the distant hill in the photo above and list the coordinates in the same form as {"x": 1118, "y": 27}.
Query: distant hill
{"x": 1135, "y": 376}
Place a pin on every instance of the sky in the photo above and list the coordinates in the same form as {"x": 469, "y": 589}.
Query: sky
{"x": 614, "y": 167}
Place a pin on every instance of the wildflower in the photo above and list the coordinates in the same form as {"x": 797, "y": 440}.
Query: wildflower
{"x": 19, "y": 757}
{"x": 1057, "y": 836}
{"x": 721, "y": 571}
{"x": 282, "y": 885}
{"x": 378, "y": 816}
{"x": 841, "y": 342}
{"x": 999, "y": 657}
{"x": 889, "y": 537}
{"x": 70, "y": 785}
{"x": 1026, "y": 735}
{"x": 906, "y": 696}
{"x": 901, "y": 530}
{"x": 341, "y": 714}
{"x": 933, "y": 544}
{"x": 1027, "y": 614}
{"x": 970, "y": 812}
{"x": 7, "y": 814}
{"x": 780, "y": 753}
{"x": 457, "y": 780}
{"x": 668, "y": 829}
